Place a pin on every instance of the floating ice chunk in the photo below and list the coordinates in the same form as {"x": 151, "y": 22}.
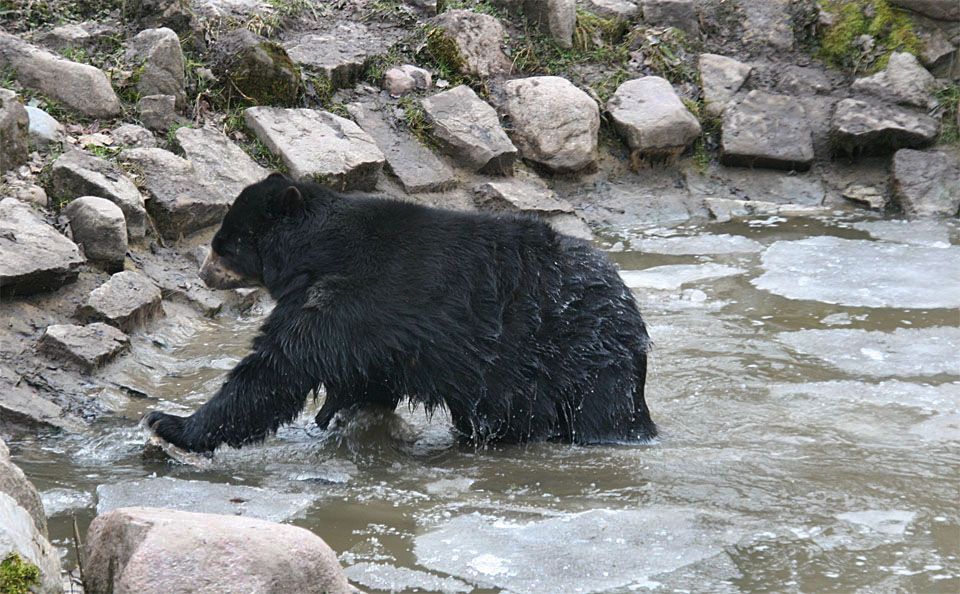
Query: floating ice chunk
{"x": 672, "y": 277}
{"x": 200, "y": 496}
{"x": 380, "y": 576}
{"x": 905, "y": 352}
{"x": 862, "y": 273}
{"x": 58, "y": 501}
{"x": 928, "y": 233}
{"x": 893, "y": 522}
{"x": 696, "y": 245}
{"x": 597, "y": 550}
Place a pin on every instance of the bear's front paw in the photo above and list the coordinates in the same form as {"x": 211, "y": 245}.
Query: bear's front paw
{"x": 173, "y": 429}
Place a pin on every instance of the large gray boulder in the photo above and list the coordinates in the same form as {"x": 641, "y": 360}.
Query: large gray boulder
{"x": 253, "y": 69}
{"x": 132, "y": 550}
{"x": 875, "y": 128}
{"x": 417, "y": 168}
{"x": 19, "y": 534}
{"x": 765, "y": 130}
{"x": 903, "y": 81}
{"x": 34, "y": 257}
{"x": 76, "y": 174}
{"x": 160, "y": 59}
{"x": 319, "y": 146}
{"x": 555, "y": 123}
{"x": 15, "y": 484}
{"x": 14, "y": 130}
{"x": 127, "y": 301}
{"x": 927, "y": 183}
{"x": 469, "y": 129}
{"x": 23, "y": 525}
{"x": 78, "y": 86}
{"x": 652, "y": 119}
{"x": 478, "y": 38}
{"x": 721, "y": 77}
{"x": 99, "y": 226}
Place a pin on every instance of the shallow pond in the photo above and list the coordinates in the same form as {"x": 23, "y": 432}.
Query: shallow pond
{"x": 806, "y": 380}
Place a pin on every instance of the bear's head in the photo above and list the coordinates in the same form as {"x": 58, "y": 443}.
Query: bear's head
{"x": 235, "y": 259}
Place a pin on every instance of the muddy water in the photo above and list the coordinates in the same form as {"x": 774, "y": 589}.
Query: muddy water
{"x": 806, "y": 379}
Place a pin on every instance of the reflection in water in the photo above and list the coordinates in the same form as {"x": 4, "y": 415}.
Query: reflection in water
{"x": 806, "y": 385}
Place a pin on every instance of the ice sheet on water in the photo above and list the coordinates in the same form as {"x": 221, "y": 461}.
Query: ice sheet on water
{"x": 928, "y": 233}
{"x": 578, "y": 552}
{"x": 201, "y": 496}
{"x": 705, "y": 244}
{"x": 380, "y": 576}
{"x": 862, "y": 273}
{"x": 905, "y": 352}
{"x": 58, "y": 501}
{"x": 674, "y": 276}
{"x": 877, "y": 412}
{"x": 893, "y": 522}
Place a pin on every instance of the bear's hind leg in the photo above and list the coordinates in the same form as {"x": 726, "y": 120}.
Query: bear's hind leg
{"x": 363, "y": 394}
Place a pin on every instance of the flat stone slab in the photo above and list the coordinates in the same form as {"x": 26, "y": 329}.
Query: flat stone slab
{"x": 34, "y": 257}
{"x": 517, "y": 195}
{"x": 87, "y": 347}
{"x": 76, "y": 174}
{"x": 319, "y": 146}
{"x": 416, "y": 166}
{"x": 876, "y": 128}
{"x": 128, "y": 300}
{"x": 342, "y": 52}
{"x": 767, "y": 130}
{"x": 469, "y": 129}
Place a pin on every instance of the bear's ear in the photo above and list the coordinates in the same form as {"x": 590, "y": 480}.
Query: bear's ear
{"x": 290, "y": 202}
{"x": 276, "y": 175}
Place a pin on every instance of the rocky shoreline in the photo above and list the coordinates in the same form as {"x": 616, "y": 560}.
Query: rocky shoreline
{"x": 592, "y": 114}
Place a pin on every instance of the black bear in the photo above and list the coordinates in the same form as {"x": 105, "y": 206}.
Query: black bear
{"x": 522, "y": 333}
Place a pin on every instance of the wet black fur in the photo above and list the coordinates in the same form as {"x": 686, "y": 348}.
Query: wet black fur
{"x": 524, "y": 334}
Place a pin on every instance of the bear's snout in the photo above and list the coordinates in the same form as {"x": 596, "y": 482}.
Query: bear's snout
{"x": 217, "y": 275}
